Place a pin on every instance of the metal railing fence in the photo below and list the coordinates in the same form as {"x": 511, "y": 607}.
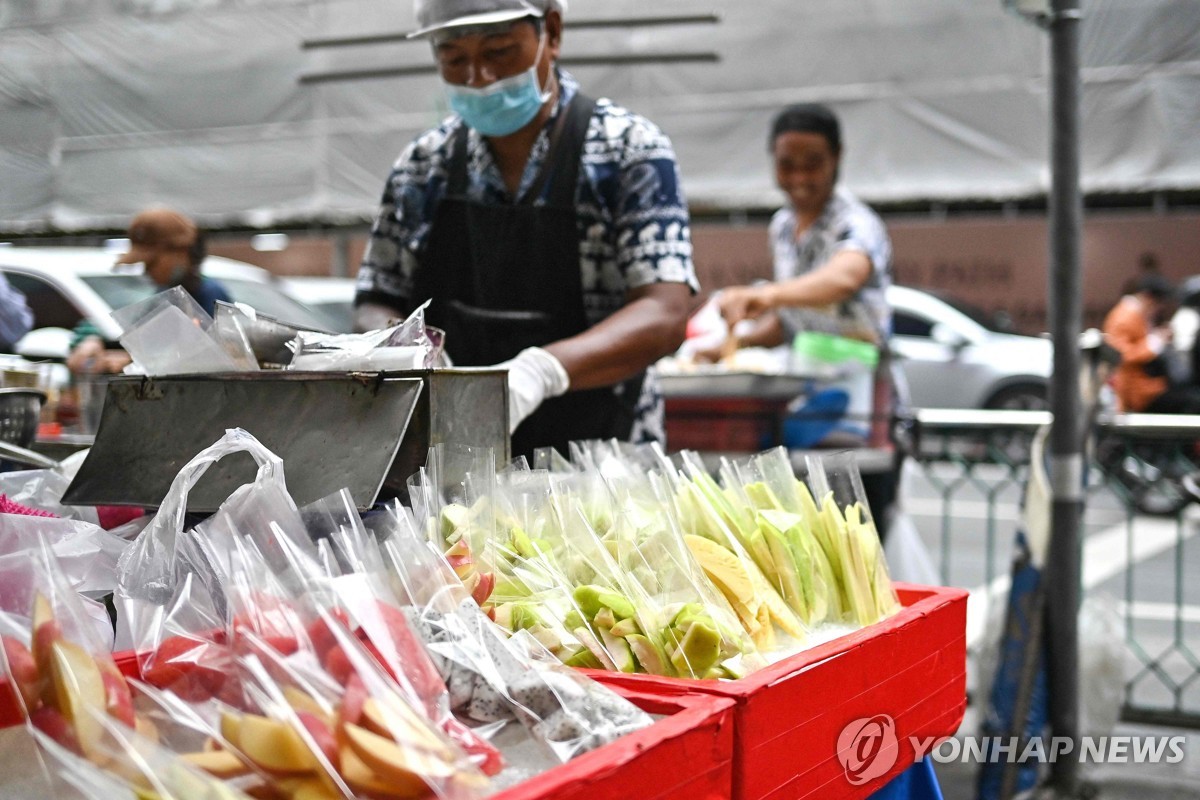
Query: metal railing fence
{"x": 964, "y": 489}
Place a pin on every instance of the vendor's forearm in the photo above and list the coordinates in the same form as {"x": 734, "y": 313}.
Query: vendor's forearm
{"x": 834, "y": 282}
{"x": 767, "y": 332}
{"x": 652, "y": 325}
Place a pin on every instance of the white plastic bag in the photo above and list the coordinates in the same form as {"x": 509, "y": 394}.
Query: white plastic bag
{"x": 43, "y": 489}
{"x": 87, "y": 553}
{"x": 1101, "y": 665}
{"x": 407, "y": 346}
{"x": 907, "y": 556}
{"x": 168, "y": 334}
{"x": 151, "y": 573}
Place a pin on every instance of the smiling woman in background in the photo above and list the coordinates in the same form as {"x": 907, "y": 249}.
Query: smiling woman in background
{"x": 831, "y": 252}
{"x": 833, "y": 265}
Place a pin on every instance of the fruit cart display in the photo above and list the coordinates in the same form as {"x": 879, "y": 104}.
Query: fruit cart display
{"x": 578, "y": 627}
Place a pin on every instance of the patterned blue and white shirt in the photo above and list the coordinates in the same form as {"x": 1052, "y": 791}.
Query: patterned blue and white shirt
{"x": 845, "y": 224}
{"x": 633, "y": 221}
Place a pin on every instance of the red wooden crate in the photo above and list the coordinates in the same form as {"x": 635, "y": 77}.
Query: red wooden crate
{"x": 909, "y": 669}
{"x": 685, "y": 755}
{"x": 724, "y": 424}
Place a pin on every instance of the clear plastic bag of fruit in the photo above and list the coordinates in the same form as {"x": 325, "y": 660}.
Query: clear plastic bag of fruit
{"x": 319, "y": 582}
{"x": 782, "y": 553}
{"x": 86, "y": 556}
{"x": 494, "y": 678}
{"x": 282, "y": 726}
{"x": 356, "y": 586}
{"x": 648, "y": 543}
{"x": 799, "y": 567}
{"x": 532, "y": 592}
{"x": 836, "y": 503}
{"x": 343, "y": 577}
{"x": 725, "y": 517}
{"x": 244, "y": 702}
{"x": 575, "y": 544}
{"x": 350, "y": 723}
{"x": 77, "y": 704}
{"x": 169, "y": 598}
{"x": 669, "y": 629}
{"x": 646, "y": 538}
{"x": 452, "y": 500}
{"x": 60, "y": 666}
{"x": 502, "y": 537}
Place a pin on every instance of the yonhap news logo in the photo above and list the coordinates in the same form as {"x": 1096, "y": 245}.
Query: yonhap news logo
{"x": 869, "y": 747}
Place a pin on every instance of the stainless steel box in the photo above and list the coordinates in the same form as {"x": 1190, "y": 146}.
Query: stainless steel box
{"x": 366, "y": 432}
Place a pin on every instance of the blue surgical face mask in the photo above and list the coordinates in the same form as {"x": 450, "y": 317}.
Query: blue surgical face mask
{"x": 503, "y": 107}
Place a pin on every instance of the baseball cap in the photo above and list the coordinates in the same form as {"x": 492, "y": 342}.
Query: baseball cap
{"x": 437, "y": 15}
{"x": 158, "y": 229}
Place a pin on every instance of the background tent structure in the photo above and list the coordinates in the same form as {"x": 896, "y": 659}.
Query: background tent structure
{"x": 218, "y": 107}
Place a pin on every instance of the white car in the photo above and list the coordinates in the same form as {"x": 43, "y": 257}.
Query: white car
{"x": 333, "y": 298}
{"x": 65, "y": 286}
{"x": 950, "y": 359}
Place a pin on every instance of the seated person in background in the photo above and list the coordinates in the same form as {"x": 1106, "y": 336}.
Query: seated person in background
{"x": 171, "y": 248}
{"x": 15, "y": 317}
{"x": 1134, "y": 328}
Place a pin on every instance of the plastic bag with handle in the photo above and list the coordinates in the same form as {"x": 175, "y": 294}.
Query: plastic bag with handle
{"x": 170, "y": 605}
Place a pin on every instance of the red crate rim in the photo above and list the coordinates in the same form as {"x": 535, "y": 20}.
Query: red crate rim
{"x": 685, "y": 714}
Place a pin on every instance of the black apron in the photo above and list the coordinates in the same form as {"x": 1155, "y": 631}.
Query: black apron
{"x": 505, "y": 277}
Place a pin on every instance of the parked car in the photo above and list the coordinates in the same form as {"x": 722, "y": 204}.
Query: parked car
{"x": 952, "y": 359}
{"x": 333, "y": 298}
{"x": 67, "y": 285}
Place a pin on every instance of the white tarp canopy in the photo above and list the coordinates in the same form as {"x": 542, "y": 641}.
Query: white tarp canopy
{"x": 107, "y": 106}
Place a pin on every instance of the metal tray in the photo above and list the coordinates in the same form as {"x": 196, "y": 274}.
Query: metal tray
{"x": 725, "y": 384}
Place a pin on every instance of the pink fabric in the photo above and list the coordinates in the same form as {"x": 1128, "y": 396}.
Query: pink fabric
{"x": 8, "y": 506}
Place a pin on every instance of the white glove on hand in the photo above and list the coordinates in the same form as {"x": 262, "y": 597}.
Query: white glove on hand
{"x": 533, "y": 376}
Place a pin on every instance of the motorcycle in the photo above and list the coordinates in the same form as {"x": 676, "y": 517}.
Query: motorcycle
{"x": 1154, "y": 466}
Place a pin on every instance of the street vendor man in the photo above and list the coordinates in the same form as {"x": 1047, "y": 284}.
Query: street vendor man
{"x": 547, "y": 229}
{"x": 832, "y": 266}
